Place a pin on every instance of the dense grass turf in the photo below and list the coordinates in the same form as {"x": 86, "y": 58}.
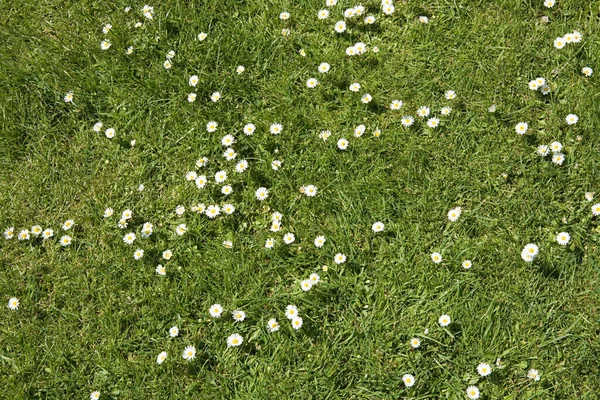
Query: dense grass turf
{"x": 93, "y": 318}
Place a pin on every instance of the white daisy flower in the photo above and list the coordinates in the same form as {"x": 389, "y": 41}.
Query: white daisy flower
{"x": 484, "y": 369}
{"x": 262, "y": 193}
{"x": 215, "y": 310}
{"x": 297, "y": 322}
{"x": 272, "y": 325}
{"x": 444, "y": 320}
{"x": 189, "y": 353}
{"x": 436, "y": 258}
{"x": 162, "y": 356}
{"x": 13, "y": 303}
{"x": 339, "y": 258}
{"x": 563, "y": 238}
{"x": 320, "y": 241}
{"x": 275, "y": 129}
{"x": 235, "y": 340}
{"x": 408, "y": 380}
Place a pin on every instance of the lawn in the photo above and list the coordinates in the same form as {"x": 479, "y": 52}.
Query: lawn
{"x": 118, "y": 151}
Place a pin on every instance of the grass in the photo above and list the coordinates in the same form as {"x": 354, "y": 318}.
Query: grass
{"x": 93, "y": 318}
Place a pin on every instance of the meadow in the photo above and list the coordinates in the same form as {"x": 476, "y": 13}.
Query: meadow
{"x": 256, "y": 199}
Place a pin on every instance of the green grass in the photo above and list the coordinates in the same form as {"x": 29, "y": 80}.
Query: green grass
{"x": 93, "y": 318}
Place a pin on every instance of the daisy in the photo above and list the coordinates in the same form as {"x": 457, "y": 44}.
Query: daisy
{"x": 444, "y": 320}
{"x": 234, "y": 340}
{"x": 467, "y": 264}
{"x": 492, "y": 108}
{"x": 229, "y": 154}
{"x": 289, "y": 238}
{"x": 377, "y": 132}
{"x": 572, "y": 119}
{"x": 201, "y": 162}
{"x": 589, "y": 196}
{"x": 276, "y": 226}
{"x": 291, "y": 311}
{"x": 170, "y": 55}
{"x": 249, "y": 129}
{"x": 324, "y": 68}
{"x": 179, "y": 210}
{"x": 559, "y": 43}
{"x": 162, "y": 356}
{"x": 189, "y": 353}
{"x": 95, "y": 395}
{"x": 360, "y": 47}
{"x": 314, "y": 279}
{"x": 47, "y": 233}
{"x": 275, "y": 129}
{"x": 240, "y": 69}
{"x": 310, "y": 190}
{"x": 355, "y": 87}
{"x": 436, "y": 258}
{"x": 276, "y": 164}
{"x": 568, "y": 38}
{"x": 351, "y": 51}
{"x": 342, "y": 144}
{"x": 160, "y": 270}
{"x": 408, "y": 380}
{"x": 138, "y": 254}
{"x": 415, "y": 343}
{"x": 228, "y": 209}
{"x": 68, "y": 224}
{"x": 540, "y": 81}
{"x": 472, "y": 392}
{"x": 366, "y": 98}
{"x": 533, "y": 85}
{"x": 369, "y": 19}
{"x": 220, "y": 176}
{"x": 129, "y": 238}
{"x": 24, "y": 234}
{"x": 529, "y": 252}
{"x": 377, "y": 227}
{"x": 545, "y": 89}
{"x": 110, "y": 133}
{"x": 323, "y": 14}
{"x": 297, "y": 323}
{"x": 484, "y": 369}
{"x": 200, "y": 208}
{"x": 174, "y": 331}
{"x": 301, "y": 51}
{"x": 285, "y": 32}
{"x": 65, "y": 240}
{"x": 9, "y": 233}
{"x": 216, "y": 96}
{"x": 423, "y": 19}
{"x": 340, "y": 26}
{"x": 543, "y": 150}
{"x": 306, "y": 285}
{"x": 320, "y": 241}
{"x": 272, "y": 325}
{"x": 407, "y": 120}
{"x": 138, "y": 24}
{"x": 311, "y": 83}
{"x": 339, "y": 258}
{"x": 105, "y": 44}
{"x": 324, "y": 135}
{"x": 167, "y": 254}
{"x": 558, "y": 158}
{"x": 181, "y": 229}
{"x": 396, "y": 105}
{"x": 433, "y": 122}
{"x": 68, "y": 97}
{"x": 284, "y": 15}
{"x": 200, "y": 181}
{"x": 191, "y": 176}
{"x": 241, "y": 166}
{"x": 389, "y": 9}
{"x": 228, "y": 244}
{"x": 330, "y": 3}
{"x": 238, "y": 315}
{"x": 587, "y": 71}
{"x": 577, "y": 37}
{"x": 556, "y": 147}
{"x": 521, "y": 128}
{"x": 270, "y": 243}
{"x": 97, "y": 126}
{"x": 167, "y": 64}
{"x": 122, "y": 223}
{"x": 191, "y": 97}
{"x": 262, "y": 193}
{"x": 211, "y": 126}
{"x": 216, "y": 310}
{"x": 202, "y": 36}
{"x": 533, "y": 374}
{"x": 549, "y": 3}
{"x": 454, "y": 214}
{"x": 36, "y": 230}
{"x": 450, "y": 95}
{"x": 423, "y": 111}
{"x": 349, "y": 13}
{"x": 13, "y": 303}
{"x": 563, "y": 238}
{"x": 445, "y": 111}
